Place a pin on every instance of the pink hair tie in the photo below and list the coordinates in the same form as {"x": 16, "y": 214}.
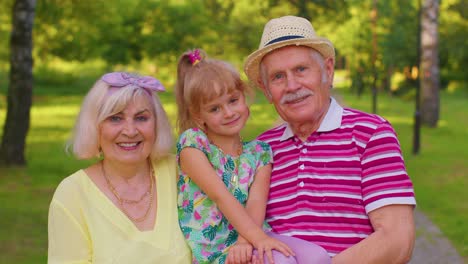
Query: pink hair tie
{"x": 195, "y": 57}
{"x": 122, "y": 79}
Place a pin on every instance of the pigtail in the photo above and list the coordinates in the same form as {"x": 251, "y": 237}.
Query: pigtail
{"x": 187, "y": 64}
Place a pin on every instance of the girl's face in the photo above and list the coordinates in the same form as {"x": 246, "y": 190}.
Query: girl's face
{"x": 128, "y": 136}
{"x": 225, "y": 115}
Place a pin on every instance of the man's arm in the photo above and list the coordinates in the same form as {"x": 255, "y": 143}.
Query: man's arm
{"x": 391, "y": 242}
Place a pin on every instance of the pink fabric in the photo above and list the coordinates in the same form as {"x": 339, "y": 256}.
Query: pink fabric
{"x": 306, "y": 252}
{"x": 323, "y": 189}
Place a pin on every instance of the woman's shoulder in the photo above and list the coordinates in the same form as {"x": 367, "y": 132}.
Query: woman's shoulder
{"x": 72, "y": 180}
{"x": 168, "y": 160}
{"x": 166, "y": 164}
{"x": 70, "y": 186}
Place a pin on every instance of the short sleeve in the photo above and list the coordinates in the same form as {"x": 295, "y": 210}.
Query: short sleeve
{"x": 264, "y": 153}
{"x": 384, "y": 177}
{"x": 193, "y": 138}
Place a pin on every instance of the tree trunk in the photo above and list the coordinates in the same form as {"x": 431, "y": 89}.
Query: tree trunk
{"x": 430, "y": 80}
{"x": 19, "y": 96}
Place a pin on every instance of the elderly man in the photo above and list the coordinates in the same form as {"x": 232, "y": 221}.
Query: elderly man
{"x": 339, "y": 178}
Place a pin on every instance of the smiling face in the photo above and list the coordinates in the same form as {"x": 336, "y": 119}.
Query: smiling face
{"x": 297, "y": 82}
{"x": 129, "y": 135}
{"x": 225, "y": 115}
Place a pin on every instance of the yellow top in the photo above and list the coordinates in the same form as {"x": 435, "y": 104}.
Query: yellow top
{"x": 86, "y": 227}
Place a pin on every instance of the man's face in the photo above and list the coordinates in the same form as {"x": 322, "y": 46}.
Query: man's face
{"x": 297, "y": 84}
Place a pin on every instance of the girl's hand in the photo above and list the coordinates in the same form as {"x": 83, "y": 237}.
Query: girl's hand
{"x": 266, "y": 244}
{"x": 240, "y": 253}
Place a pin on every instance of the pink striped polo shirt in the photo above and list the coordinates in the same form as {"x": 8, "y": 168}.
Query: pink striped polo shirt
{"x": 323, "y": 188}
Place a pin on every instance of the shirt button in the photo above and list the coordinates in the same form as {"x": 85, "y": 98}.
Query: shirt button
{"x": 304, "y": 151}
{"x": 301, "y": 184}
{"x": 301, "y": 167}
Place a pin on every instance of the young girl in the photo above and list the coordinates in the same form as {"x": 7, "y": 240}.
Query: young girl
{"x": 223, "y": 182}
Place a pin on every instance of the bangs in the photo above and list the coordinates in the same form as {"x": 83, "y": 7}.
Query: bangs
{"x": 118, "y": 100}
{"x": 213, "y": 83}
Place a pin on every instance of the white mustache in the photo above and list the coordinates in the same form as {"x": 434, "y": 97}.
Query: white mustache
{"x": 296, "y": 95}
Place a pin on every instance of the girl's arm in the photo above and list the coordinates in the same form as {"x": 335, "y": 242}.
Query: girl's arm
{"x": 256, "y": 207}
{"x": 197, "y": 166}
{"x": 258, "y": 195}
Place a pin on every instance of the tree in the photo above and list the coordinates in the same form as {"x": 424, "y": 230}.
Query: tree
{"x": 453, "y": 58}
{"x": 430, "y": 80}
{"x": 19, "y": 96}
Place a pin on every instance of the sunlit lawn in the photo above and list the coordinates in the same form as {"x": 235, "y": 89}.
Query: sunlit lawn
{"x": 439, "y": 172}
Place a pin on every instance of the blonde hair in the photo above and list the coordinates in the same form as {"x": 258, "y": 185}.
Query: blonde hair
{"x": 200, "y": 83}
{"x": 101, "y": 103}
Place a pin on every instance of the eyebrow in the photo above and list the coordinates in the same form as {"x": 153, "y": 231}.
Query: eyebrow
{"x": 142, "y": 111}
{"x": 210, "y": 106}
{"x": 137, "y": 113}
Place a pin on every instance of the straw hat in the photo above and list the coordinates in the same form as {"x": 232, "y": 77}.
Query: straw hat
{"x": 285, "y": 31}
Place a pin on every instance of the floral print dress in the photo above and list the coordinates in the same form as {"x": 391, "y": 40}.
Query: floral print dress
{"x": 205, "y": 228}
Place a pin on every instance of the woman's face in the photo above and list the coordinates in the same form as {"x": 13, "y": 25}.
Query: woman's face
{"x": 128, "y": 137}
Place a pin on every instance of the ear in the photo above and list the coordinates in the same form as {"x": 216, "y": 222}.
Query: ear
{"x": 330, "y": 69}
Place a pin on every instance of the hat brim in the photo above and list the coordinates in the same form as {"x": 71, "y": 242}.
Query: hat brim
{"x": 252, "y": 64}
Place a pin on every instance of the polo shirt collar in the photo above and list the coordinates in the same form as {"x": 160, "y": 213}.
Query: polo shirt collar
{"x": 331, "y": 121}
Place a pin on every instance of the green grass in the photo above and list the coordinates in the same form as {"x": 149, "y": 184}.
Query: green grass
{"x": 439, "y": 172}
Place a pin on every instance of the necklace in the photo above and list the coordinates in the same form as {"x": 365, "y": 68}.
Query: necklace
{"x": 122, "y": 201}
{"x": 240, "y": 148}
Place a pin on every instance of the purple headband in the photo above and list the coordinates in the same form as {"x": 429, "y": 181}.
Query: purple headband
{"x": 195, "y": 57}
{"x": 121, "y": 79}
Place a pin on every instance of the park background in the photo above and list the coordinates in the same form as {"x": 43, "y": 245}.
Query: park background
{"x": 378, "y": 51}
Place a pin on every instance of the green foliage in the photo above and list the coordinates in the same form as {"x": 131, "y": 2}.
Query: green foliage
{"x": 167, "y": 31}
{"x": 69, "y": 29}
{"x": 453, "y": 43}
{"x": 399, "y": 22}
{"x": 6, "y": 7}
{"x": 159, "y": 31}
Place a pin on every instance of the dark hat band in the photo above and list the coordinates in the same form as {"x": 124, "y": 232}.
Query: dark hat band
{"x": 283, "y": 39}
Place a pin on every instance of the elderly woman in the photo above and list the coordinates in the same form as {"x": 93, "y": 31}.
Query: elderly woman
{"x": 121, "y": 209}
